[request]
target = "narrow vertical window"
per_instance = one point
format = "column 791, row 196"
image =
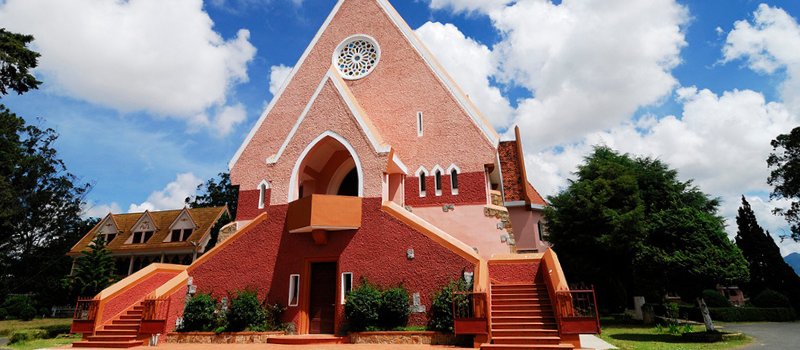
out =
column 438, row 181
column 294, row 290
column 175, row 236
column 186, row 233
column 419, row 124
column 540, row 228
column 454, row 181
column 347, row 285
column 262, row 195
column 422, row 179
column 110, row 237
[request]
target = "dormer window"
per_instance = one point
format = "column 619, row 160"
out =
column 110, row 237
column 179, row 235
column 141, row 236
column 181, row 228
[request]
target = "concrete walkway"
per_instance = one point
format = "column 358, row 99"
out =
column 287, row 347
column 768, row 335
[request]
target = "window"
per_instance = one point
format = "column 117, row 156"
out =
column 347, row 285
column 540, row 228
column 438, row 178
column 262, row 195
column 356, row 57
column 178, row 235
column 422, row 179
column 419, row 124
column 141, row 236
column 294, row 290
column 110, row 237
column 454, row 181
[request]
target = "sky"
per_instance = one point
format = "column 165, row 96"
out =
column 151, row 98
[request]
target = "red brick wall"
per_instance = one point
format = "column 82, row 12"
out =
column 514, row 272
column 513, row 184
column 120, row 302
column 247, row 207
column 266, row 256
column 471, row 190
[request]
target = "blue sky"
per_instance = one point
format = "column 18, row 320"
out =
column 149, row 149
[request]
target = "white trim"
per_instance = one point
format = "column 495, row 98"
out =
column 418, row 173
column 400, row 163
column 522, row 204
column 438, row 189
column 263, row 186
column 450, row 169
column 294, row 289
column 420, row 124
column 348, row 40
column 293, row 195
column 285, row 84
column 380, row 149
column 342, row 291
column 461, row 99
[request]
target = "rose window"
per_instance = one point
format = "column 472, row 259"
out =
column 356, row 57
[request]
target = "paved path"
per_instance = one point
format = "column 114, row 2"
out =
column 287, row 347
column 784, row 335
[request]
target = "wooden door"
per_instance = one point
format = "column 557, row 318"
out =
column 322, row 298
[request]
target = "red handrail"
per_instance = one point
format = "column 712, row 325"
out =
column 86, row 309
column 470, row 313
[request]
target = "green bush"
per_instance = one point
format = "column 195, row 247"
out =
column 394, row 310
column 752, row 314
column 56, row 330
column 198, row 315
column 273, row 317
column 441, row 315
column 362, row 307
column 20, row 307
column 715, row 299
column 245, row 312
column 26, row 335
column 771, row 299
column 3, row 314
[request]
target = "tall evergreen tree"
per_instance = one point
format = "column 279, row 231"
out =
column 94, row 270
column 768, row 270
column 784, row 162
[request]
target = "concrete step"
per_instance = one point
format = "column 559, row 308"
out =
column 112, row 338
column 523, row 312
column 524, row 332
column 108, row 344
column 522, row 306
column 134, row 322
column 519, row 301
column 117, row 332
column 526, row 347
column 524, row 325
column 527, row 340
column 125, row 327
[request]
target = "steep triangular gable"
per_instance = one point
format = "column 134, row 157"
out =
column 460, row 98
column 361, row 117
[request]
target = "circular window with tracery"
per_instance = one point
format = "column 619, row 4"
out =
column 356, row 57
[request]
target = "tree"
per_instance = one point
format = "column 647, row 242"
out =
column 784, row 162
column 216, row 193
column 768, row 270
column 16, row 62
column 94, row 270
column 630, row 227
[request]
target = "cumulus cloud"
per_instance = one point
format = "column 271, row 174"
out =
column 770, row 42
column 470, row 64
column 96, row 210
column 172, row 196
column 277, row 77
column 468, row 5
column 162, row 57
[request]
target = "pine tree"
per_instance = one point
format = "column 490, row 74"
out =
column 768, row 270
column 94, row 270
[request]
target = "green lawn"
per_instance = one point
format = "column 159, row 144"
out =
column 8, row 326
column 630, row 337
column 45, row 343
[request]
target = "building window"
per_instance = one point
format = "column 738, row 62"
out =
column 438, row 178
column 294, row 290
column 540, row 228
column 347, row 285
column 453, row 170
column 262, row 195
column 180, row 235
column 141, row 236
column 423, row 177
column 110, row 237
column 356, row 57
column 419, row 124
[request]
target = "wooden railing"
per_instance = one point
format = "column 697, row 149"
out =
column 155, row 313
column 470, row 313
column 83, row 319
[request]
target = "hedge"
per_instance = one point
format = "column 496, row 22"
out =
column 26, row 335
column 752, row 314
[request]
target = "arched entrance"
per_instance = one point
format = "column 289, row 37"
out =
column 329, row 165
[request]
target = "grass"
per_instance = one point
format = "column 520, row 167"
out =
column 8, row 326
column 45, row 343
column 638, row 337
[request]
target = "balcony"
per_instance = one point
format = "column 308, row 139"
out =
column 320, row 214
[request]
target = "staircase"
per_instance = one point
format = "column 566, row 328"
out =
column 522, row 318
column 122, row 332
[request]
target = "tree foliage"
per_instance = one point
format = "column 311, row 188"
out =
column 16, row 63
column 216, row 192
column 768, row 270
column 628, row 226
column 94, row 270
column 784, row 162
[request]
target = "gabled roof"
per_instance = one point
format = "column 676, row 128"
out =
column 459, row 96
column 516, row 187
column 204, row 218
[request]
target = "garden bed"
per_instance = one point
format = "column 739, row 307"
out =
column 711, row 337
column 219, row 338
column 404, row 337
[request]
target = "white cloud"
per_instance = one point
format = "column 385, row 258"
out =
column 277, row 77
column 161, row 57
column 470, row 64
column 468, row 5
column 96, row 210
column 172, row 196
column 224, row 119
column 771, row 42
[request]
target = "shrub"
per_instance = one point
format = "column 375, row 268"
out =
column 394, row 310
column 56, row 330
column 26, row 335
column 752, row 314
column 715, row 299
column 441, row 315
column 20, row 307
column 198, row 315
column 363, row 306
column 3, row 314
column 245, row 312
column 273, row 317
column 770, row 299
